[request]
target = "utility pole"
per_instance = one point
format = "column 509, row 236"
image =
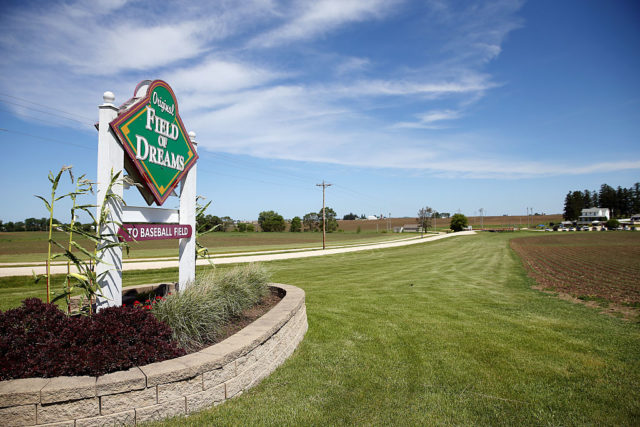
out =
column 481, row 218
column 324, row 233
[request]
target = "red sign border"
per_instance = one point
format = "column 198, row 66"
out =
column 160, row 199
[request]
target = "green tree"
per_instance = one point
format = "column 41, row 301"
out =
column 635, row 197
column 350, row 216
column 331, row 223
column 227, row 223
column 296, row 225
column 424, row 218
column 208, row 222
column 312, row 222
column 458, row 222
column 607, row 197
column 31, row 224
column 612, row 224
column 271, row 221
column 573, row 204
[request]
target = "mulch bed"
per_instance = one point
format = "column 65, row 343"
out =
column 251, row 314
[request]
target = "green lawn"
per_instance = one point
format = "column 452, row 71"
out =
column 447, row 332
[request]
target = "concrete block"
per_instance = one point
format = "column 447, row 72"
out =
column 166, row 372
column 71, row 423
column 205, row 399
column 22, row 391
column 116, row 403
column 161, row 411
column 228, row 350
column 119, row 419
column 24, row 415
column 218, row 376
column 63, row 389
column 240, row 381
column 120, row 382
column 243, row 362
column 57, row 412
column 175, row 390
column 202, row 362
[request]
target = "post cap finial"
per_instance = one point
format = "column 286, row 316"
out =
column 108, row 97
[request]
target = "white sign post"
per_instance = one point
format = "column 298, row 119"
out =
column 187, row 268
column 111, row 157
column 110, row 160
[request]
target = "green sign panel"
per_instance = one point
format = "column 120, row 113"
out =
column 156, row 140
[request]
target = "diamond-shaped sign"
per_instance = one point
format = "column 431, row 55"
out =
column 153, row 135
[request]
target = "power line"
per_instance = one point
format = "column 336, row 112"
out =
column 47, row 139
column 45, row 106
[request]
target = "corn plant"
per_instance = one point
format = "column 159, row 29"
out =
column 49, row 204
column 85, row 277
column 83, row 186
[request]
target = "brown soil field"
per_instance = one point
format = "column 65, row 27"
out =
column 602, row 267
column 474, row 221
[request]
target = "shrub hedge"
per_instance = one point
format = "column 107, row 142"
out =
column 39, row 340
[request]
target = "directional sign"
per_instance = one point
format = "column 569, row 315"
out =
column 156, row 141
column 139, row 232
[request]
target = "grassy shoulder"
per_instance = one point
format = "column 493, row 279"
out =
column 448, row 332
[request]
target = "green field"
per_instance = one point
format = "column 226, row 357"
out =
column 17, row 247
column 448, row 332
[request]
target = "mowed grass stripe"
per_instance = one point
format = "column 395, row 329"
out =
column 468, row 343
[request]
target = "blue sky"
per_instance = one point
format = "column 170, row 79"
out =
column 400, row 104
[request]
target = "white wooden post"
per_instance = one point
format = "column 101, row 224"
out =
column 110, row 158
column 187, row 268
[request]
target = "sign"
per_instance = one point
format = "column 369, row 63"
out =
column 138, row 232
column 156, row 141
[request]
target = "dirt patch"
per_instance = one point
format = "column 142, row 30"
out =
column 598, row 269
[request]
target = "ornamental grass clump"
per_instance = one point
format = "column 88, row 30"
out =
column 198, row 314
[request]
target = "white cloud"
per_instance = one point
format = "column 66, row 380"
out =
column 316, row 18
column 427, row 120
column 242, row 98
column 352, row 65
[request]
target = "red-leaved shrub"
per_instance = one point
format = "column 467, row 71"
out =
column 39, row 340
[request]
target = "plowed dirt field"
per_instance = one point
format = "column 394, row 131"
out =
column 592, row 266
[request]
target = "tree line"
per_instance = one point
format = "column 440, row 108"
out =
column 622, row 202
column 312, row 221
column 37, row 224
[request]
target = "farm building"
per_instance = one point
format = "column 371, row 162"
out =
column 591, row 215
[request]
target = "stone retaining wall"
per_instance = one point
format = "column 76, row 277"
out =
column 164, row 389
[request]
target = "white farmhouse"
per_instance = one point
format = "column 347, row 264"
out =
column 591, row 215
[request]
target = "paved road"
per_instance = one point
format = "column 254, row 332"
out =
column 235, row 258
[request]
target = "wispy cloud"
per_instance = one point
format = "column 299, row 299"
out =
column 427, row 120
column 243, row 91
column 312, row 19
